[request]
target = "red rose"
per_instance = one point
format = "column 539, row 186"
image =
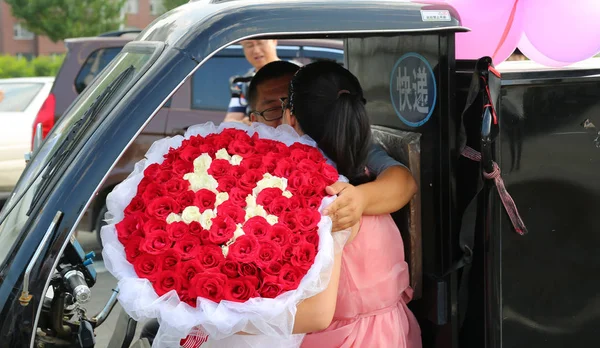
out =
column 279, row 233
column 312, row 238
column 156, row 243
column 273, row 269
column 128, row 226
column 287, row 252
column 205, row 237
column 297, row 155
column 190, row 153
column 240, row 147
column 237, row 196
column 290, row 277
column 250, row 178
column 296, row 180
column 166, row 282
column 266, row 196
column 136, row 205
column 270, row 287
column 170, row 260
column 132, row 248
column 195, row 228
column 308, row 219
column 294, row 203
column 161, row 207
column 151, row 171
column 210, row 256
column 221, row 230
column 318, row 183
column 290, row 220
column 284, row 168
column 176, row 186
column 147, row 266
column 304, row 255
column 195, row 141
column 268, row 253
column 208, row 149
column 296, row 239
column 154, row 225
column 163, row 176
column 209, row 286
column 252, row 162
column 153, row 191
column 240, row 289
column 186, row 199
column 257, row 226
column 188, row 246
column 205, row 199
column 237, row 172
column 219, row 168
column 234, row 212
column 269, row 162
column 313, row 202
column 230, row 269
column 143, row 185
column 221, row 142
column 278, row 206
column 306, row 165
column 242, row 136
column 177, row 230
column 189, row 269
column 329, row 173
column 244, row 249
column 281, row 149
column 263, row 146
column 248, row 270
column 306, row 191
column 170, row 158
column 182, row 167
column 226, row 183
column 315, row 155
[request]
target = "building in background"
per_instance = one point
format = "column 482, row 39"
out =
column 16, row 40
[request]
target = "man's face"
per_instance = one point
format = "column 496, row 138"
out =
column 268, row 100
column 260, row 52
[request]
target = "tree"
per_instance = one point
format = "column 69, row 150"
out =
column 61, row 19
column 168, row 5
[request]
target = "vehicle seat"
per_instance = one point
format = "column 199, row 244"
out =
column 405, row 147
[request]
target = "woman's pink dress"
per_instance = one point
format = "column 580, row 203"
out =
column 374, row 288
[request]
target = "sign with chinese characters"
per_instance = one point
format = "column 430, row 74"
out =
column 413, row 89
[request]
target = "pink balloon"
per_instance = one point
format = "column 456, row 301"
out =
column 492, row 33
column 532, row 53
column 563, row 30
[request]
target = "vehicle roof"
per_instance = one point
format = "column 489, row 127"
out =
column 203, row 27
column 529, row 65
column 43, row 79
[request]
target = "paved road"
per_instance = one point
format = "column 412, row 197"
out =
column 101, row 292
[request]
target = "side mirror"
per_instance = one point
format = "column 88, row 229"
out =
column 37, row 141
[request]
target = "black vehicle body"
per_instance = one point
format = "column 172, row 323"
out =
column 37, row 222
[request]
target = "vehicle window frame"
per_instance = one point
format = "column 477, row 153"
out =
column 86, row 61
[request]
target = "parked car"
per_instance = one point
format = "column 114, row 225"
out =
column 20, row 101
column 195, row 102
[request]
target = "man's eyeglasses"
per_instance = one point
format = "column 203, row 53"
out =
column 270, row 114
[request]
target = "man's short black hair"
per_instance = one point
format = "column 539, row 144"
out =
column 270, row 71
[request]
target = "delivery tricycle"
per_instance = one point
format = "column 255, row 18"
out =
column 479, row 279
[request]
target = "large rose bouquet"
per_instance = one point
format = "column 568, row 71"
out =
column 220, row 231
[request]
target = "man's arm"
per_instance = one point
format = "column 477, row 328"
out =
column 391, row 190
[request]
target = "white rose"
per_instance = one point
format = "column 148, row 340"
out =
column 173, row 218
column 250, row 202
column 202, row 163
column 221, row 197
column 272, row 219
column 269, row 181
column 238, row 232
column 222, row 154
column 236, row 160
column 206, row 218
column 191, row 213
column 225, row 250
column 255, row 211
column 201, row 181
column 287, row 194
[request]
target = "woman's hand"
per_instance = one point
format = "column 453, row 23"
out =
column 347, row 208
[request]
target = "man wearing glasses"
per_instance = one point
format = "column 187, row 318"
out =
column 258, row 53
column 392, row 189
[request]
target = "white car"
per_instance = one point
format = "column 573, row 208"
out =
column 20, row 101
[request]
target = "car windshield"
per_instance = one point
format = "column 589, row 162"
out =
column 121, row 73
column 16, row 97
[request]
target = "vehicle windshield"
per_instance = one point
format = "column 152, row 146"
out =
column 16, row 97
column 128, row 67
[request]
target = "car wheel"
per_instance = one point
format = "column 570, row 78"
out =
column 99, row 223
